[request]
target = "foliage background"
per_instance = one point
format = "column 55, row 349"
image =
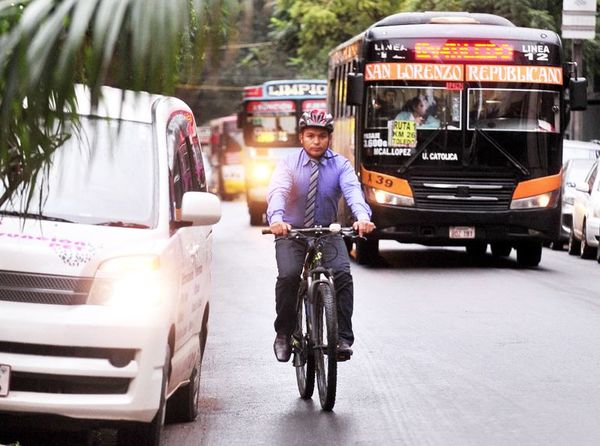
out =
column 300, row 33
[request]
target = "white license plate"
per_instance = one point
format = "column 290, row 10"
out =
column 4, row 379
column 462, row 232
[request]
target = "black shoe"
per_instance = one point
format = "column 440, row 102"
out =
column 344, row 352
column 282, row 347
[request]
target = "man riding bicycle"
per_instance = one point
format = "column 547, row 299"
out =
column 304, row 191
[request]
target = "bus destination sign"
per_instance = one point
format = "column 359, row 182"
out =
column 297, row 89
column 464, row 51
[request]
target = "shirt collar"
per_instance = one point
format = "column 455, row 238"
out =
column 327, row 155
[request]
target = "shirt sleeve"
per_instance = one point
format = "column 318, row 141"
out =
column 352, row 192
column 278, row 192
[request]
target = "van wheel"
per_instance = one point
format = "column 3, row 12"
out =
column 149, row 433
column 183, row 405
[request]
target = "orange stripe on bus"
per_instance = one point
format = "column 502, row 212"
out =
column 537, row 186
column 385, row 182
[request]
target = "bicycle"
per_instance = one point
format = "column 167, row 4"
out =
column 315, row 340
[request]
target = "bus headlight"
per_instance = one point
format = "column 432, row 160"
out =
column 382, row 197
column 260, row 172
column 546, row 200
column 127, row 282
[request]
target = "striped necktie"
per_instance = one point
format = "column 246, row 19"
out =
column 309, row 215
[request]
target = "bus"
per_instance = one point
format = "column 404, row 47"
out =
column 268, row 118
column 454, row 122
column 226, row 156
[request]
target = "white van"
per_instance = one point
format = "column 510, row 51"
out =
column 104, row 287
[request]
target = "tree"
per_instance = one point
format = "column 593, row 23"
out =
column 308, row 29
column 46, row 46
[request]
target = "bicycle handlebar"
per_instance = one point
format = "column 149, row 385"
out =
column 334, row 228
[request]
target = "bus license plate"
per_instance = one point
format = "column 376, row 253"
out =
column 4, row 379
column 462, row 232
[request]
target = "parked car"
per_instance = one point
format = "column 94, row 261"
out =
column 574, row 171
column 574, row 149
column 104, row 287
column 584, row 236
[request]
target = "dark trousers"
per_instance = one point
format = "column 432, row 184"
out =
column 290, row 259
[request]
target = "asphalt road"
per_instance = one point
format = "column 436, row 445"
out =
column 449, row 350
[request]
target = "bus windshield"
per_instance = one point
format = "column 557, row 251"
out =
column 271, row 123
column 494, row 109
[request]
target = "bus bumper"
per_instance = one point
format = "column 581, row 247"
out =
column 430, row 227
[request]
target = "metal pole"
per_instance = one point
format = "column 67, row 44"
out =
column 576, row 124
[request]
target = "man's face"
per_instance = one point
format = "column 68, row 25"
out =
column 315, row 141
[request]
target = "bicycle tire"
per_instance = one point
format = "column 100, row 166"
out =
column 325, row 351
column 305, row 362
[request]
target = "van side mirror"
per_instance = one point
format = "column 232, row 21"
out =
column 355, row 88
column 578, row 93
column 200, row 208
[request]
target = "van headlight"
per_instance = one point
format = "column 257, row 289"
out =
column 383, row 197
column 127, row 282
column 546, row 200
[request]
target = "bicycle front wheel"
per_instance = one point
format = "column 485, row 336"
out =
column 326, row 338
column 304, row 360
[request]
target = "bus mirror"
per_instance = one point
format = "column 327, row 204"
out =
column 240, row 120
column 355, row 89
column 578, row 93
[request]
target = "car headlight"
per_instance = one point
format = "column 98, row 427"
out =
column 545, row 200
column 133, row 282
column 383, row 197
column 261, row 172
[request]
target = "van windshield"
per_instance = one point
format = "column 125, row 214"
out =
column 105, row 172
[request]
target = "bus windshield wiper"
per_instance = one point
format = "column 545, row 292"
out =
column 123, row 224
column 34, row 216
column 500, row 149
column 418, row 152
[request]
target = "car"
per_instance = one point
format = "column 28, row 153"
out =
column 105, row 277
column 584, row 236
column 574, row 171
column 575, row 149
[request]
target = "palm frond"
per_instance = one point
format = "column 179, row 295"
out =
column 46, row 46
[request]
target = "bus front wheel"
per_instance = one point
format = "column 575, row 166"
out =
column 529, row 254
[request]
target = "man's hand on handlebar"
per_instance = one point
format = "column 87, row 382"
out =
column 363, row 227
column 280, row 228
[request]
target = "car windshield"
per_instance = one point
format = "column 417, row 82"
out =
column 577, row 170
column 103, row 173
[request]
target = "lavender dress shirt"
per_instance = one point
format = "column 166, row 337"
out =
column 288, row 188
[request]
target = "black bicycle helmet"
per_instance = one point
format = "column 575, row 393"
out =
column 316, row 118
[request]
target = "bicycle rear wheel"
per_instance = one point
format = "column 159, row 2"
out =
column 325, row 349
column 304, row 360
